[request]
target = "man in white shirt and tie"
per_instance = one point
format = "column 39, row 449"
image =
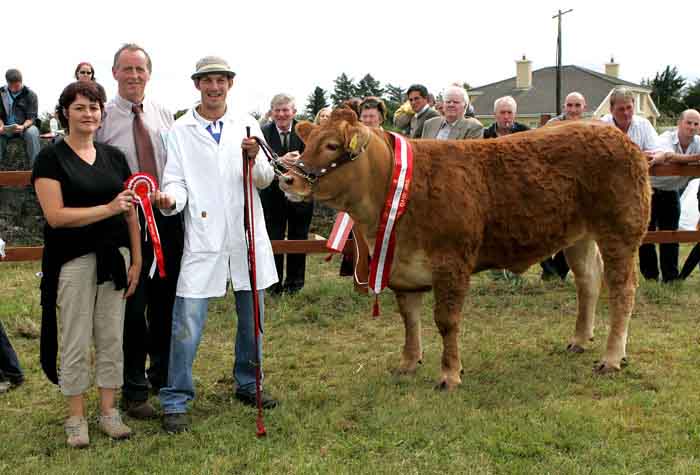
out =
column 137, row 125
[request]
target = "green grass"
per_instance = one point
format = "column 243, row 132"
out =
column 525, row 406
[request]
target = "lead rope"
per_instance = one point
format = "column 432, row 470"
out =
column 249, row 225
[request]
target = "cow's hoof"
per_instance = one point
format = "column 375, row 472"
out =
column 442, row 386
column 445, row 385
column 605, row 368
column 624, row 362
column 408, row 369
column 574, row 348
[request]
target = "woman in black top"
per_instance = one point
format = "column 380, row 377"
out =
column 91, row 224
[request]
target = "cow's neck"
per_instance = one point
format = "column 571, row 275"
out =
column 368, row 188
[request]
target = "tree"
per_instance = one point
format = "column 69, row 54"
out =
column 315, row 102
column 344, row 89
column 691, row 98
column 666, row 88
column 393, row 94
column 368, row 86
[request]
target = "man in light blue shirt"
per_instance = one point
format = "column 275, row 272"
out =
column 18, row 114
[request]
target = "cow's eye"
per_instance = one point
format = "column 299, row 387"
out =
column 331, row 146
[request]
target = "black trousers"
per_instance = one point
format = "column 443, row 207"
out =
column 295, row 218
column 9, row 363
column 149, row 312
column 555, row 266
column 665, row 215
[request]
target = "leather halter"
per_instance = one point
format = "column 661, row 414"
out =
column 312, row 174
column 301, row 169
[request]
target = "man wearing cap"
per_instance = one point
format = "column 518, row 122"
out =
column 138, row 126
column 203, row 181
column 18, row 114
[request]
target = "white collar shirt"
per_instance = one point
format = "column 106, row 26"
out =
column 640, row 132
column 669, row 142
column 445, row 129
column 117, row 130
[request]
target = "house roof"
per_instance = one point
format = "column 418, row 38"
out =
column 540, row 98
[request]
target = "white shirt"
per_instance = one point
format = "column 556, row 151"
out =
column 117, row 130
column 445, row 129
column 668, row 142
column 640, row 131
column 206, row 180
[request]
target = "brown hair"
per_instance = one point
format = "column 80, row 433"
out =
column 372, row 102
column 71, row 92
column 84, row 63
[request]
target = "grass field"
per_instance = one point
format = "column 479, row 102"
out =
column 525, row 406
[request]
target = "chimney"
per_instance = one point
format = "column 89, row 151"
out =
column 612, row 68
column 523, row 78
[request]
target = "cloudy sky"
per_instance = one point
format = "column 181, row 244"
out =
column 293, row 46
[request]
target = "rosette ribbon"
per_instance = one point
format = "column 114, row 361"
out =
column 143, row 184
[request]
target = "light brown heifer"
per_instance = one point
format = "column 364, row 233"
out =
column 505, row 204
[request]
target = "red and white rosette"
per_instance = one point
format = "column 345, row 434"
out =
column 143, row 184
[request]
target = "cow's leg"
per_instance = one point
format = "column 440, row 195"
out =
column 410, row 306
column 450, row 285
column 587, row 266
column 621, row 279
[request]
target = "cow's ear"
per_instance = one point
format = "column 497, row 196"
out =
column 303, row 129
column 344, row 114
column 356, row 138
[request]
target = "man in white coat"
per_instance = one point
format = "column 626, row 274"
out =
column 204, row 179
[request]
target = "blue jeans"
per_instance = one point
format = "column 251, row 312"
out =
column 31, row 142
column 9, row 364
column 189, row 317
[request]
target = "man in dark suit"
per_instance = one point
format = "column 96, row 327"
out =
column 418, row 98
column 281, row 214
column 504, row 110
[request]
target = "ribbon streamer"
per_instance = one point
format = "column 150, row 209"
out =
column 394, row 207
column 143, row 184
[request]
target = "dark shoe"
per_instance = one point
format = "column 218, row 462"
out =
column 291, row 290
column 275, row 290
column 176, row 423
column 138, row 409
column 249, row 399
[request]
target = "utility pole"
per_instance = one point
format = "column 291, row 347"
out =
column 558, row 17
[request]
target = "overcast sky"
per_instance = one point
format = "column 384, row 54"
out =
column 293, row 46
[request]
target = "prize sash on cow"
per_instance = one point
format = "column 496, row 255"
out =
column 143, row 184
column 394, row 207
column 340, row 232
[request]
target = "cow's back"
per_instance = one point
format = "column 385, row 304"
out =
column 521, row 196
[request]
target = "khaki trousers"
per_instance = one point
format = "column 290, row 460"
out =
column 89, row 312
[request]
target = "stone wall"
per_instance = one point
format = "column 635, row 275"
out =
column 21, row 220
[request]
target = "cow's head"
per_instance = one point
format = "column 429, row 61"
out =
column 326, row 166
